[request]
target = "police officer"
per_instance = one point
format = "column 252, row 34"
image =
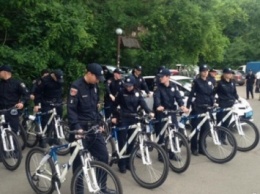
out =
column 212, row 76
column 203, row 92
column 140, row 83
column 250, row 81
column 13, row 93
column 129, row 99
column 227, row 95
column 44, row 73
column 48, row 91
column 113, row 87
column 83, row 113
column 157, row 78
column 165, row 97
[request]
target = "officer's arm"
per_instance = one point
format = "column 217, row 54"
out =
column 25, row 95
column 157, row 98
column 38, row 91
column 192, row 94
column 143, row 104
column 235, row 91
column 144, row 86
column 108, row 87
column 178, row 97
column 72, row 110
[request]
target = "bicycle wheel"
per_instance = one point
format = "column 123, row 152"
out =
column 155, row 172
column 40, row 182
column 249, row 139
column 21, row 134
column 180, row 161
column 219, row 153
column 11, row 159
column 31, row 133
column 53, row 139
column 105, row 177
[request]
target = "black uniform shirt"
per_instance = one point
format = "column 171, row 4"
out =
column 12, row 91
column 166, row 96
column 203, row 92
column 82, row 103
column 250, row 79
column 140, row 84
column 113, row 87
column 48, row 90
column 227, row 93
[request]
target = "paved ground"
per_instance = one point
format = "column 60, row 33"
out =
column 240, row 176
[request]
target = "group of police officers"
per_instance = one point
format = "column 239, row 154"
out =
column 83, row 102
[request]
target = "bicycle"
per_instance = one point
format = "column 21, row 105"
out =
column 210, row 142
column 59, row 135
column 245, row 132
column 47, row 175
column 145, row 168
column 10, row 148
column 175, row 145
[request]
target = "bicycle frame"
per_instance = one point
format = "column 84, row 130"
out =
column 91, row 182
column 205, row 116
column 3, row 134
column 137, row 132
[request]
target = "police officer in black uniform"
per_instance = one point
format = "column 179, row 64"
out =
column 203, row 92
column 212, row 76
column 83, row 113
column 47, row 92
column 157, row 78
column 129, row 99
column 44, row 73
column 113, row 87
column 140, row 83
column 250, row 81
column 165, row 97
column 13, row 93
column 227, row 95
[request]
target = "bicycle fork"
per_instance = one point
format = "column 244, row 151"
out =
column 238, row 125
column 90, row 174
column 4, row 136
column 176, row 148
column 144, row 152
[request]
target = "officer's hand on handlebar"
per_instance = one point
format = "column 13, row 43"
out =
column 78, row 136
column 184, row 109
column 160, row 108
column 112, row 97
column 151, row 115
column 149, row 95
column 36, row 108
column 19, row 105
column 114, row 120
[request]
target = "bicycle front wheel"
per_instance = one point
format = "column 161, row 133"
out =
column 102, row 174
column 39, row 178
column 222, row 152
column 179, row 161
column 250, row 137
column 149, row 171
column 11, row 157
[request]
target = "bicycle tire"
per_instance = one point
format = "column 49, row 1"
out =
column 207, row 144
column 34, row 180
column 52, row 137
column 139, row 173
column 178, row 162
column 248, row 128
column 31, row 135
column 14, row 157
column 100, row 167
column 22, row 137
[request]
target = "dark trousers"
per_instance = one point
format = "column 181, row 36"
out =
column 249, row 89
column 196, row 139
column 123, row 137
column 13, row 121
column 225, row 124
column 96, row 145
column 108, row 108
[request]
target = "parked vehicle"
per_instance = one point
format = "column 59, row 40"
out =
column 174, row 71
column 244, row 108
column 242, row 68
column 254, row 66
column 239, row 77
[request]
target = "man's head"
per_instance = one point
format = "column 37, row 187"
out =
column 5, row 72
column 117, row 74
column 250, row 71
column 164, row 75
column 44, row 72
column 129, row 83
column 213, row 72
column 94, row 73
column 138, row 70
column 57, row 75
column 204, row 70
column 227, row 73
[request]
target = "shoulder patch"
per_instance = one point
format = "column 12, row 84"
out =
column 73, row 91
column 109, row 81
column 23, row 85
column 137, row 94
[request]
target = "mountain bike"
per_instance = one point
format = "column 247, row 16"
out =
column 245, row 132
column 145, row 168
column 10, row 148
column 210, row 142
column 58, row 133
column 45, row 174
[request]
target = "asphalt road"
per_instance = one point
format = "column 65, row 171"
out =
column 239, row 176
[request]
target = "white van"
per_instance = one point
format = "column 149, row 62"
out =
column 242, row 68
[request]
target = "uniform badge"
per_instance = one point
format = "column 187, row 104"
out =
column 172, row 89
column 95, row 89
column 109, row 81
column 137, row 94
column 120, row 83
column 140, row 79
column 231, row 84
column 209, row 83
column 23, row 85
column 73, row 91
